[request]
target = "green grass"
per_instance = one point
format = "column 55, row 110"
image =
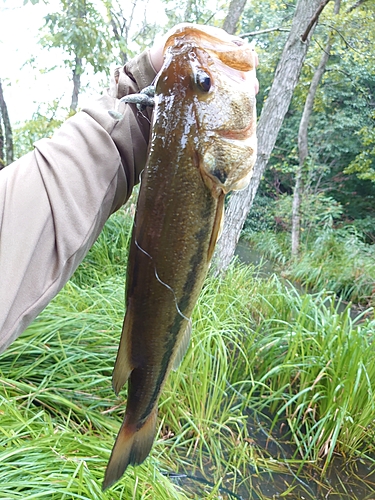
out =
column 258, row 348
column 318, row 371
column 336, row 260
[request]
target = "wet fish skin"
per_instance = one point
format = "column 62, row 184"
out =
column 202, row 146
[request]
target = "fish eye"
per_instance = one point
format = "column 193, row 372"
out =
column 203, row 80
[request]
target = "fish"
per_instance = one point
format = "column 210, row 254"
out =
column 202, row 146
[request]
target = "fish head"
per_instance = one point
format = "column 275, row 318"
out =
column 213, row 72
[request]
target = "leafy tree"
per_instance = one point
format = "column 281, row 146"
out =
column 120, row 25
column 303, row 150
column 192, row 11
column 131, row 28
column 364, row 163
column 82, row 33
column 342, row 115
column 273, row 113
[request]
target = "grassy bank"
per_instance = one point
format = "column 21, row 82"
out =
column 338, row 260
column 261, row 355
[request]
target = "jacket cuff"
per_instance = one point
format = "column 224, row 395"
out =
column 137, row 74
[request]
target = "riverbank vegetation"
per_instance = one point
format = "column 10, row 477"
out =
column 333, row 255
column 274, row 384
column 318, row 190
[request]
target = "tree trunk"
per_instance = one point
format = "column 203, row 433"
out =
column 296, row 211
column 303, row 150
column 8, row 135
column 121, row 25
column 76, row 84
column 2, row 160
column 235, row 10
column 119, row 38
column 272, row 116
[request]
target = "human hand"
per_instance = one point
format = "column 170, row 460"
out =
column 157, row 50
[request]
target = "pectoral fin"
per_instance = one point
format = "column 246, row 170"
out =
column 217, row 227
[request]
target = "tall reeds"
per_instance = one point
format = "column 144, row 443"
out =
column 258, row 348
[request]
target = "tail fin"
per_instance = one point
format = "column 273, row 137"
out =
column 132, row 447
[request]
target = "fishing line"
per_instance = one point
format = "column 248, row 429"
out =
column 136, row 242
column 162, row 282
column 144, row 116
column 155, row 271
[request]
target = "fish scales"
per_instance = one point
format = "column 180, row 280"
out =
column 202, row 146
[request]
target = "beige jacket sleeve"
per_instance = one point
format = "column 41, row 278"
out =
column 55, row 200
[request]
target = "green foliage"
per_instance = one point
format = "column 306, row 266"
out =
column 337, row 260
column 270, row 245
column 42, row 124
column 364, row 163
column 317, row 210
column 261, row 216
column 257, row 346
column 194, row 11
column 80, row 30
column 259, row 16
column 58, row 415
column 316, row 365
column 343, row 105
column 366, row 226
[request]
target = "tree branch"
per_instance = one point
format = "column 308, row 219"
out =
column 354, row 6
column 234, row 13
column 2, row 163
column 349, row 45
column 314, row 19
column 262, row 32
column 8, row 135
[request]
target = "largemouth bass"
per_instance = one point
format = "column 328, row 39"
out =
column 202, row 146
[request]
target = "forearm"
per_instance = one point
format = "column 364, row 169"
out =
column 55, row 200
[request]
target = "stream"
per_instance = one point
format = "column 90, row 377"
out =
column 341, row 482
